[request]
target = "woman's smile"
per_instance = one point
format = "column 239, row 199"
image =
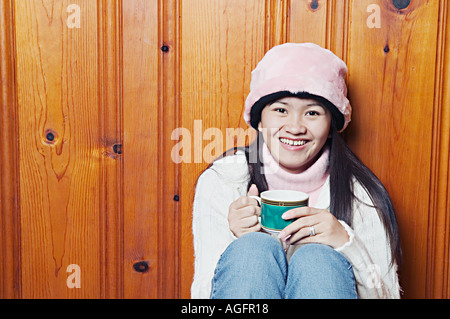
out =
column 293, row 144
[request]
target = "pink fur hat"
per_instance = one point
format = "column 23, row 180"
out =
column 299, row 69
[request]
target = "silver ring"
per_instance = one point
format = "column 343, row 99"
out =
column 312, row 231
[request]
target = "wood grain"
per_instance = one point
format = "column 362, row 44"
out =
column 276, row 23
column 109, row 15
column 307, row 24
column 438, row 270
column 57, row 89
column 169, row 174
column 10, row 274
column 392, row 123
column 141, row 58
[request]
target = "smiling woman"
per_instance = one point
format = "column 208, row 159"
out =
column 298, row 103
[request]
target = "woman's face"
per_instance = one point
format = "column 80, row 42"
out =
column 295, row 130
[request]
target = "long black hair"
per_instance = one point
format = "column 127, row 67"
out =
column 344, row 168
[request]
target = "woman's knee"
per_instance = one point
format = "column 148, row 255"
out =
column 253, row 266
column 319, row 271
column 318, row 254
column 255, row 244
column 254, row 251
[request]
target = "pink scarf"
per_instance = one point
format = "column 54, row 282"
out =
column 309, row 181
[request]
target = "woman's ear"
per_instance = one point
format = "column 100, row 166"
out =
column 259, row 127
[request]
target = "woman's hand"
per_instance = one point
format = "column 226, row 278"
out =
column 328, row 229
column 243, row 214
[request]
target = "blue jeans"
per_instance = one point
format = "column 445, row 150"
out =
column 255, row 267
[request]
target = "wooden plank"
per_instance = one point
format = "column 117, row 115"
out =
column 338, row 12
column 276, row 23
column 322, row 22
column 438, row 267
column 392, row 124
column 58, row 115
column 141, row 144
column 308, row 21
column 110, row 212
column 169, row 193
column 10, row 280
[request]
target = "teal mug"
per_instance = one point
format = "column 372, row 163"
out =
column 275, row 203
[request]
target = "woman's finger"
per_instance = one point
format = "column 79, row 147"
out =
column 301, row 212
column 299, row 224
column 249, row 221
column 252, row 229
column 243, row 201
column 249, row 211
column 306, row 232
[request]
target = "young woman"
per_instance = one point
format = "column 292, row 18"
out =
column 345, row 244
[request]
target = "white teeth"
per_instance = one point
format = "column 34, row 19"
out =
column 292, row 143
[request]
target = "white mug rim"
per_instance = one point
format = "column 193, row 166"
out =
column 284, row 196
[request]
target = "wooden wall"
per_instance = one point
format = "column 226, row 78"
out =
column 90, row 103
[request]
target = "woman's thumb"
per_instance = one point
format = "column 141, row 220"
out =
column 253, row 191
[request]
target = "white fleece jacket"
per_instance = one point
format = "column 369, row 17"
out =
column 226, row 180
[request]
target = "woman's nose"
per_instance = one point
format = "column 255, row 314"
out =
column 295, row 126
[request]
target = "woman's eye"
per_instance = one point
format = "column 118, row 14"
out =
column 312, row 113
column 280, row 110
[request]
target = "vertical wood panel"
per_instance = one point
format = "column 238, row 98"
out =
column 10, row 280
column 141, row 50
column 326, row 25
column 276, row 23
column 308, row 23
column 438, row 271
column 151, row 97
column 59, row 147
column 338, row 14
column 394, row 111
column 169, row 193
column 109, row 15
